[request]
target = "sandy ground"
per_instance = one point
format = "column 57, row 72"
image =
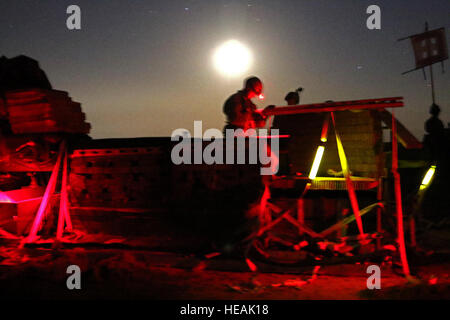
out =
column 40, row 273
column 169, row 265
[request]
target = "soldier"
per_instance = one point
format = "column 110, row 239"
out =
column 241, row 112
column 293, row 97
column 435, row 140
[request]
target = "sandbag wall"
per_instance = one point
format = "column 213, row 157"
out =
column 215, row 200
column 119, row 178
column 139, row 173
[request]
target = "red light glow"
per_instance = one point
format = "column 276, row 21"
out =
column 5, row 199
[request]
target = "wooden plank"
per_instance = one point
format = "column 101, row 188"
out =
column 372, row 104
column 300, row 110
column 349, row 219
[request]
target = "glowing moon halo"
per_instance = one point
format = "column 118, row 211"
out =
column 232, row 58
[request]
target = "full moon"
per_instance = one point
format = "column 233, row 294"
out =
column 232, row 58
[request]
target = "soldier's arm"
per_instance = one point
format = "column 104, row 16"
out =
column 232, row 106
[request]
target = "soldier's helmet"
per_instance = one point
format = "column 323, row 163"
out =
column 434, row 109
column 254, row 84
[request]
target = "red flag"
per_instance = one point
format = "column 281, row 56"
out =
column 429, row 47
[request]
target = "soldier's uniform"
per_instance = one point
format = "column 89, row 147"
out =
column 242, row 113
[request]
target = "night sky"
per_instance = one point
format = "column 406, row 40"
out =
column 143, row 68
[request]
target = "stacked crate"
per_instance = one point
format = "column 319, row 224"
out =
column 119, row 178
column 44, row 111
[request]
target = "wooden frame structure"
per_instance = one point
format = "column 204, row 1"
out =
column 64, row 220
column 362, row 183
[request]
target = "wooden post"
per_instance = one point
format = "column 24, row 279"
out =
column 398, row 200
column 64, row 216
column 342, row 232
column 47, row 196
column 264, row 216
column 348, row 180
column 300, row 214
column 412, row 231
column 379, row 220
column 61, row 218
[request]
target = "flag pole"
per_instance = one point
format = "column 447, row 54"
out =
column 432, row 83
column 431, row 70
